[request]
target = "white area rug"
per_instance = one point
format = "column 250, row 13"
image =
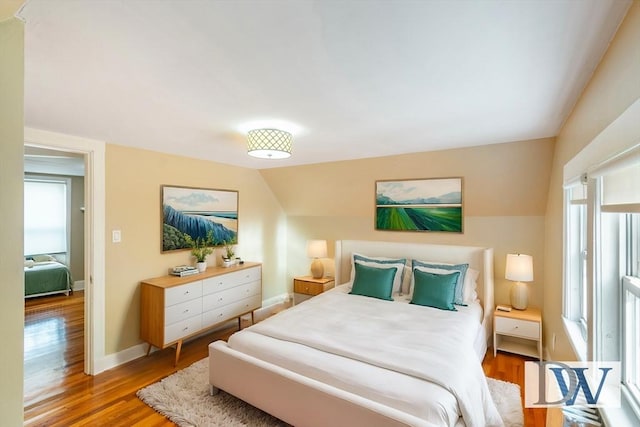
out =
column 184, row 398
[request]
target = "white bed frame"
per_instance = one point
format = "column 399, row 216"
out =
column 302, row 401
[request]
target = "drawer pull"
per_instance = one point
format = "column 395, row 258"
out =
column 220, row 315
column 186, row 311
column 219, row 299
column 186, row 328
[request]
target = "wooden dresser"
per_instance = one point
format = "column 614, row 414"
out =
column 173, row 309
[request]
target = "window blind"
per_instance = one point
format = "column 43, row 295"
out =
column 45, row 216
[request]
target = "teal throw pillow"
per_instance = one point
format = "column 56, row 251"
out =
column 373, row 282
column 462, row 268
column 435, row 290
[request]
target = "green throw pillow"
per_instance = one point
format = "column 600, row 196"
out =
column 373, row 282
column 435, row 290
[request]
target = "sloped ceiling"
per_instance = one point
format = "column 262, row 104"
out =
column 352, row 79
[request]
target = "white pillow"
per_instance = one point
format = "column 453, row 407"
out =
column 469, row 292
column 397, row 280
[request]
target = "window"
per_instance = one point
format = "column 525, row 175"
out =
column 631, row 330
column 602, row 272
column 575, row 298
column 46, row 204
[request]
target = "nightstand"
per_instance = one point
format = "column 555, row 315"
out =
column 518, row 331
column 306, row 287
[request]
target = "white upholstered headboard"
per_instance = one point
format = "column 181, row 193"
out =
column 478, row 258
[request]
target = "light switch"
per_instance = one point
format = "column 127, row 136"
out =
column 116, row 236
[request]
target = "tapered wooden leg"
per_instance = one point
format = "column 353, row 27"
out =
column 148, row 349
column 178, row 348
column 213, row 390
column 252, row 319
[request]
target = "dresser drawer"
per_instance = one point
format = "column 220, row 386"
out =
column 182, row 329
column 228, row 296
column 182, row 293
column 182, row 311
column 517, row 327
column 235, row 309
column 226, row 281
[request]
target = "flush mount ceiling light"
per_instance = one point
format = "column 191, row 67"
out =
column 269, row 143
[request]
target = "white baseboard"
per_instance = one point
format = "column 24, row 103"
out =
column 78, row 285
column 276, row 300
column 113, row 360
column 116, row 359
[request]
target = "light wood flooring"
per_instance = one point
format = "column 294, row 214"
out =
column 58, row 393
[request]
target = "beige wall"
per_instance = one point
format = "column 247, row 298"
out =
column 11, row 257
column 504, row 191
column 133, row 181
column 614, row 86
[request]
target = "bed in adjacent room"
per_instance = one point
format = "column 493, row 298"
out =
column 380, row 349
column 46, row 277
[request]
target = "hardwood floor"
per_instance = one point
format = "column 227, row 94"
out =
column 510, row 367
column 58, row 393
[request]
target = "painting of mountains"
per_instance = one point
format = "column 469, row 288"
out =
column 196, row 212
column 419, row 205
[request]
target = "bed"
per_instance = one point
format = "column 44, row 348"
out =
column 46, row 278
column 345, row 359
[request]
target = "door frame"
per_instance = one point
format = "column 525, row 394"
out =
column 94, row 231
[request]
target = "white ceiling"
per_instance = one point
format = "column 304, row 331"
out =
column 356, row 78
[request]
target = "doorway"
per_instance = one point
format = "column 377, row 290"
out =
column 93, row 153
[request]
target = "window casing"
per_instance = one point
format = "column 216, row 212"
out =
column 602, row 289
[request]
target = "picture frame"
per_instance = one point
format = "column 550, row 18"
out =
column 196, row 212
column 424, row 205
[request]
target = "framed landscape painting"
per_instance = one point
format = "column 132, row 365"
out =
column 197, row 212
column 433, row 204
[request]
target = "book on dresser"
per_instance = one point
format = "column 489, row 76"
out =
column 183, row 270
column 175, row 308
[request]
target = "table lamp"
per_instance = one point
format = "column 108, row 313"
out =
column 317, row 249
column 519, row 269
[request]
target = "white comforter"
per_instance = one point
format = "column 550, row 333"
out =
column 422, row 342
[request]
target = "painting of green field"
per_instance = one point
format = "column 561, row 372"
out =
column 419, row 218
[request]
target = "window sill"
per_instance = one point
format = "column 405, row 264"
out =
column 627, row 415
column 574, row 333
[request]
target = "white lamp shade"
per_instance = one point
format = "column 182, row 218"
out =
column 317, row 248
column 519, row 268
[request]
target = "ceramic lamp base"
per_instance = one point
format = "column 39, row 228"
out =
column 317, row 269
column 519, row 296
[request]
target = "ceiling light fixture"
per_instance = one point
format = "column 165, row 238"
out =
column 269, row 143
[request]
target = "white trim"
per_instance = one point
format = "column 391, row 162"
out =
column 78, row 285
column 574, row 333
column 113, row 360
column 276, row 300
column 94, row 154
